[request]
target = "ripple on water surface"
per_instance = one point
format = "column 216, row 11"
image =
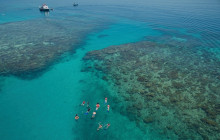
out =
column 167, row 88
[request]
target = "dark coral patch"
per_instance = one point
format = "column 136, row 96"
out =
column 170, row 82
column 28, row 48
column 148, row 120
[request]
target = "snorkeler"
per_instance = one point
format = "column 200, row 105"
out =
column 108, row 108
column 83, row 103
column 76, row 117
column 106, row 100
column 97, row 106
column 87, row 112
column 88, row 104
column 107, row 126
column 100, row 126
column 93, row 115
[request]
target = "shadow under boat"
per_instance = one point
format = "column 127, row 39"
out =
column 75, row 4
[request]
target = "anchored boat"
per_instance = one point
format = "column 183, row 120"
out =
column 44, row 7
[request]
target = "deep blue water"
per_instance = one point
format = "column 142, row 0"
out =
column 44, row 107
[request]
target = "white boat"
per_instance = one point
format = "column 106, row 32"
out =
column 44, row 7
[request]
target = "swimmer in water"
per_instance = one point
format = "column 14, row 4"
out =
column 108, row 108
column 76, row 117
column 87, row 112
column 93, row 115
column 97, row 106
column 88, row 104
column 83, row 103
column 100, row 126
column 106, row 100
column 107, row 126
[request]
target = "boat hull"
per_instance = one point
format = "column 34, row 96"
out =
column 44, row 9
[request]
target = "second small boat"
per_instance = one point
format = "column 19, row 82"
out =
column 75, row 4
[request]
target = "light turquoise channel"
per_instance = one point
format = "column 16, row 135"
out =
column 45, row 107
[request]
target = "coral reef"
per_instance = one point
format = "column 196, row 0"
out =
column 173, row 86
column 28, row 47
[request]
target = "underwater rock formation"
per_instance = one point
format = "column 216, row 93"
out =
column 172, row 86
column 28, row 47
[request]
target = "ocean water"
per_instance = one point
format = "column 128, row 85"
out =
column 44, row 106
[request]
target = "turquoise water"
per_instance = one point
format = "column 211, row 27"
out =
column 44, row 107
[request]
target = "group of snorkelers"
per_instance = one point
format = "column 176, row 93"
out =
column 94, row 113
